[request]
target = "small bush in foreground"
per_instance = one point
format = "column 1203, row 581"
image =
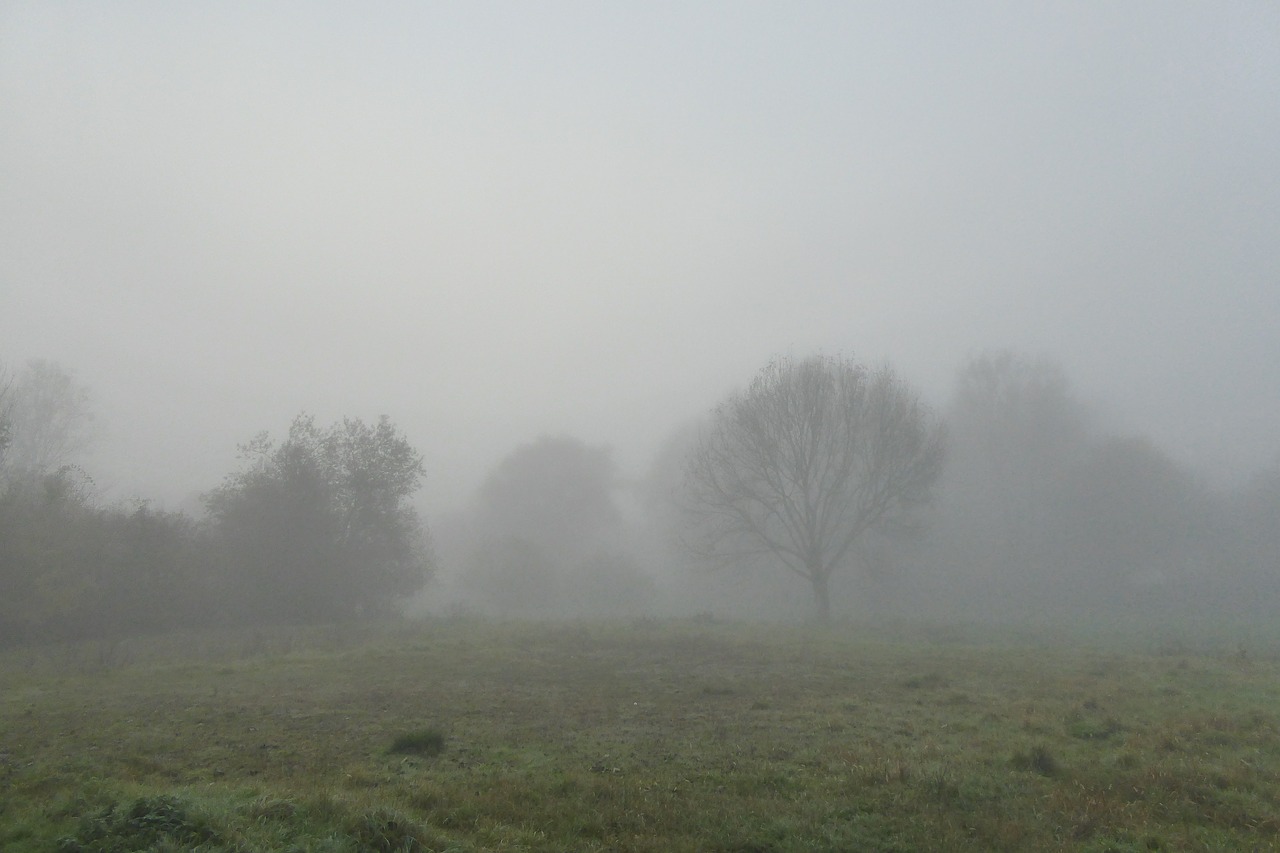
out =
column 148, row 823
column 1086, row 727
column 1038, row 758
column 385, row 831
column 420, row 742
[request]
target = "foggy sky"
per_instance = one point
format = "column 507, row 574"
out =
column 496, row 220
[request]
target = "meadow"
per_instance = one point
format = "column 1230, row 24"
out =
column 696, row 735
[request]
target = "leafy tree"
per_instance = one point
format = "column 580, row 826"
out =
column 44, row 553
column 514, row 576
column 1255, row 552
column 812, row 457
column 1042, row 510
column 1017, row 432
column 547, row 535
column 6, row 414
column 612, row 584
column 1135, row 518
column 319, row 527
column 154, row 572
column 45, row 421
column 556, row 492
column 1017, row 406
column 48, row 550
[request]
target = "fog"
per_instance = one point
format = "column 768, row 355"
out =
column 496, row 221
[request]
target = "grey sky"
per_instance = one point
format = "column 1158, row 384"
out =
column 492, row 221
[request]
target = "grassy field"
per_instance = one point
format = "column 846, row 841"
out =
column 465, row 736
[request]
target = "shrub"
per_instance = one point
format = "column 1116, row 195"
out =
column 419, row 742
column 1088, row 727
column 385, row 831
column 1038, row 758
column 149, row 822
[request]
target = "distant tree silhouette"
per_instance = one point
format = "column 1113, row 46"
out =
column 806, row 462
column 319, row 527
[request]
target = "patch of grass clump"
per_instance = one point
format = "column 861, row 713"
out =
column 418, row 742
column 1037, row 759
column 1090, row 727
column 385, row 831
column 161, row 822
column 928, row 681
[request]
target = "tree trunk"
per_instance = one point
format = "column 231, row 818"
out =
column 821, row 596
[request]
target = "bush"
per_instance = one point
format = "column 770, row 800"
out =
column 148, row 823
column 420, row 742
column 384, row 831
column 1038, row 758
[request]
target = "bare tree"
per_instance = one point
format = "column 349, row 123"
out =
column 808, row 460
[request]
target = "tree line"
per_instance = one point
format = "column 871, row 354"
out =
column 822, row 478
column 830, row 488
column 316, row 527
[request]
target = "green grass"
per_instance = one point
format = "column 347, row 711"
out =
column 470, row 736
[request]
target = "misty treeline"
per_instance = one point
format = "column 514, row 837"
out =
column 826, row 487
column 823, row 486
column 316, row 527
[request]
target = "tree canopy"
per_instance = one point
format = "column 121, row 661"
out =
column 548, row 536
column 319, row 527
column 45, row 421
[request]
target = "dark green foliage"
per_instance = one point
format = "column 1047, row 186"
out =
column 75, row 571
column 149, row 823
column 548, row 537
column 1037, row 759
column 319, row 527
column 384, row 831
column 418, row 742
column 554, row 492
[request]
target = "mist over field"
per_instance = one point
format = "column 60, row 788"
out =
column 639, row 426
column 546, row 242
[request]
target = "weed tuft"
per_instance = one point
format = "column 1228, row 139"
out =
column 385, row 831
column 150, row 822
column 418, row 742
column 1038, row 759
column 1090, row 727
column 940, row 785
column 271, row 809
